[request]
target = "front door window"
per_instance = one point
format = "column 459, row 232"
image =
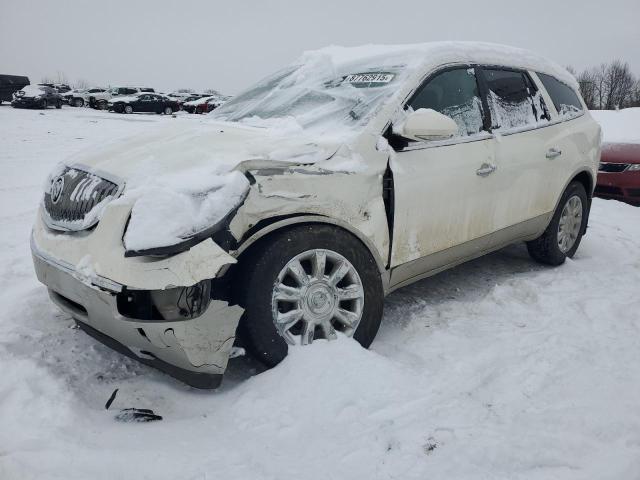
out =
column 453, row 93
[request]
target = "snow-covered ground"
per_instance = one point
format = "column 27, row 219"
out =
column 498, row 369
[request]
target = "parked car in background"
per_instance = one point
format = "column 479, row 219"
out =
column 115, row 92
column 404, row 161
column 87, row 96
column 37, row 96
column 58, row 87
column 180, row 95
column 67, row 96
column 9, row 84
column 144, row 102
column 202, row 105
column 62, row 87
column 619, row 173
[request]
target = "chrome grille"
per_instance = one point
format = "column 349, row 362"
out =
column 613, row 167
column 71, row 197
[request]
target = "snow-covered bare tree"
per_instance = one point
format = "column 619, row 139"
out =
column 619, row 83
column 59, row 77
column 81, row 83
column 587, row 81
column 608, row 86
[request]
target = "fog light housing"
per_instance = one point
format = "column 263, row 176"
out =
column 172, row 304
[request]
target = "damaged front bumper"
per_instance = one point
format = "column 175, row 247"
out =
column 195, row 350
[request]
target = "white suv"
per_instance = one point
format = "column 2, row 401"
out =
column 297, row 206
column 79, row 98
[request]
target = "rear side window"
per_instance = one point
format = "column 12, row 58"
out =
column 453, row 93
column 562, row 95
column 510, row 99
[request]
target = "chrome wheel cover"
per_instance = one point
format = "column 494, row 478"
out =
column 316, row 293
column 570, row 223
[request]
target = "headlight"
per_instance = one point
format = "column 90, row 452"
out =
column 634, row 167
column 166, row 221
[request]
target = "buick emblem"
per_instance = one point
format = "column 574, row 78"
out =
column 56, row 189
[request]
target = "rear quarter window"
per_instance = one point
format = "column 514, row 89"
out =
column 564, row 98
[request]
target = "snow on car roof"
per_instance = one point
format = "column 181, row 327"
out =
column 337, row 90
column 433, row 53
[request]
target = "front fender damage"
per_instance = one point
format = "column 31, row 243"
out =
column 345, row 193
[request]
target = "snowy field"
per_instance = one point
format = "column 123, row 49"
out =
column 498, row 369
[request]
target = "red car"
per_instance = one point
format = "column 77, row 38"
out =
column 619, row 175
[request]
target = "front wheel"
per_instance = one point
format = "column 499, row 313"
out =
column 306, row 283
column 128, row 109
column 43, row 104
column 59, row 104
column 562, row 237
column 78, row 102
column 168, row 110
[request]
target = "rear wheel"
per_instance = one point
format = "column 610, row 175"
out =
column 78, row 102
column 43, row 103
column 128, row 109
column 59, row 104
column 562, row 237
column 168, row 110
column 306, row 283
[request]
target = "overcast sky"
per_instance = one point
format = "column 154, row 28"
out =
column 228, row 45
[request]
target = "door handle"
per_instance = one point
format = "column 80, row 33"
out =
column 553, row 153
column 486, row 169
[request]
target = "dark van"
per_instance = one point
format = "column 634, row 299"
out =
column 10, row 84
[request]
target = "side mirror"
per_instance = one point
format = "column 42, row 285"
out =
column 427, row 124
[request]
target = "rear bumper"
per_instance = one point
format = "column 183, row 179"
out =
column 195, row 351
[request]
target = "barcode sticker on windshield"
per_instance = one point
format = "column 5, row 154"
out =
column 369, row 78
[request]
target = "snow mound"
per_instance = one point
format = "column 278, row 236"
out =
column 619, row 126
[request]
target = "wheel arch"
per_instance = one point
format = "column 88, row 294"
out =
column 586, row 179
column 270, row 226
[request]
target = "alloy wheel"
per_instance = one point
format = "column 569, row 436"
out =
column 570, row 223
column 317, row 293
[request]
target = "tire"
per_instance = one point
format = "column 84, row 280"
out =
column 547, row 247
column 44, row 104
column 59, row 104
column 127, row 109
column 78, row 102
column 168, row 110
column 263, row 267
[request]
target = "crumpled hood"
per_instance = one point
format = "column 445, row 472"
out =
column 206, row 146
column 183, row 179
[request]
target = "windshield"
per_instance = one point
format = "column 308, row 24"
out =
column 315, row 96
column 33, row 90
